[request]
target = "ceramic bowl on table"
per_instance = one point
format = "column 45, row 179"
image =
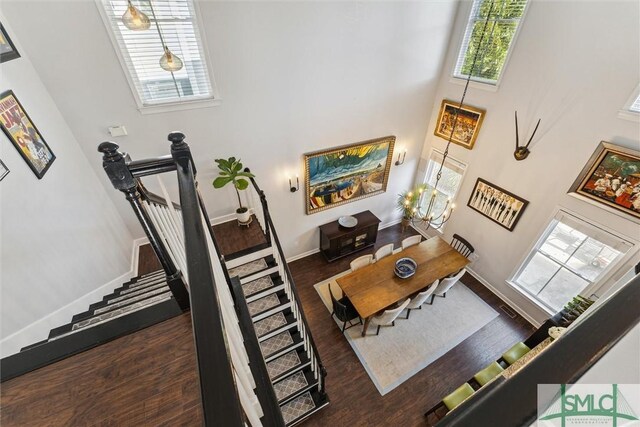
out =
column 405, row 268
column 348, row 221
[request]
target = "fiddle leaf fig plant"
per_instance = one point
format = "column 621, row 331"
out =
column 231, row 173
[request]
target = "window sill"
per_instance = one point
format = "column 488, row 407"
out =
column 529, row 297
column 179, row 106
column 629, row 115
column 474, row 84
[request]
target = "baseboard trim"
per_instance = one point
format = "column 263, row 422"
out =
column 500, row 295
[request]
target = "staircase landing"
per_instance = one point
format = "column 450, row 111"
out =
column 236, row 240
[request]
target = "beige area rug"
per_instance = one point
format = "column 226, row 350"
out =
column 401, row 351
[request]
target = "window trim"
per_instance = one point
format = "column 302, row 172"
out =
column 464, row 165
column 477, row 83
column 626, row 113
column 596, row 287
column 165, row 107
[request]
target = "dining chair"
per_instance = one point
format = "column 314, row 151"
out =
column 343, row 310
column 518, row 350
column 388, row 317
column 384, row 251
column 360, row 262
column 412, row 240
column 447, row 283
column 421, row 298
column 462, row 245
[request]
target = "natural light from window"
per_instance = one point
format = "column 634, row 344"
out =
column 140, row 52
column 449, row 184
column 635, row 105
column 570, row 257
column 498, row 40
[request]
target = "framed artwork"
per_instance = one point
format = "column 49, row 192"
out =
column 7, row 49
column 497, row 204
column 348, row 173
column 4, row 170
column 467, row 125
column 611, row 178
column 24, row 135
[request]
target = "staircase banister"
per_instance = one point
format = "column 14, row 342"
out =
column 154, row 198
column 264, row 388
column 145, row 167
column 220, row 401
column 514, row 401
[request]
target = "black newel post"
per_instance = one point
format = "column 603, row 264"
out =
column 120, row 176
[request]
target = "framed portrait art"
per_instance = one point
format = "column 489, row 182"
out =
column 24, row 135
column 467, row 124
column 7, row 49
column 611, row 178
column 497, row 204
column 344, row 174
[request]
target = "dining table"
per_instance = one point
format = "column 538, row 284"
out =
column 376, row 287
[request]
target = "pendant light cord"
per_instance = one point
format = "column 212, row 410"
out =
column 164, row 46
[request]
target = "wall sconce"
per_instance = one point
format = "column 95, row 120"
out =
column 297, row 187
column 403, row 154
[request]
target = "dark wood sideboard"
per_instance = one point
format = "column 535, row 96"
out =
column 337, row 241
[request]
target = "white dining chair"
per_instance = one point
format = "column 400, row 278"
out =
column 388, row 317
column 360, row 262
column 421, row 298
column 410, row 241
column 384, row 251
column 447, row 283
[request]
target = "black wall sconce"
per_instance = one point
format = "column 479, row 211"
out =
column 297, row 187
column 403, row 154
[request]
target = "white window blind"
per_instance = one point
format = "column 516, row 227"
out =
column 449, row 184
column 499, row 37
column 141, row 51
column 635, row 105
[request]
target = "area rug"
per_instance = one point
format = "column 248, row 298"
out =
column 401, row 351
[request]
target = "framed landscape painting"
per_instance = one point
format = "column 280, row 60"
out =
column 497, row 204
column 348, row 173
column 467, row 124
column 24, row 135
column 611, row 178
column 7, row 50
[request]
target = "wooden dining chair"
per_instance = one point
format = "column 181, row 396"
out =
column 421, row 298
column 462, row 245
column 384, row 251
column 412, row 240
column 360, row 262
column 447, row 283
column 388, row 317
column 344, row 310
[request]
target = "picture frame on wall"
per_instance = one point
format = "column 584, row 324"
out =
column 4, row 170
column 497, row 204
column 8, row 50
column 467, row 124
column 24, row 135
column 347, row 173
column 611, row 178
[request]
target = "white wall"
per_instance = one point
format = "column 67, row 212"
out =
column 295, row 77
column 574, row 66
column 61, row 236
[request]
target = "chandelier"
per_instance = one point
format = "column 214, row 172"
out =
column 428, row 218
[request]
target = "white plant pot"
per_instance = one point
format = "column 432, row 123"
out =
column 244, row 216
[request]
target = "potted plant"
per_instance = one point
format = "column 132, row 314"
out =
column 407, row 203
column 231, row 172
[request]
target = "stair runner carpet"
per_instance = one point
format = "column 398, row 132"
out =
column 257, row 285
column 275, row 344
column 269, row 324
column 290, row 385
column 248, row 268
column 297, row 407
column 263, row 304
column 283, row 363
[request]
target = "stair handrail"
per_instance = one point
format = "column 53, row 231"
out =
column 514, row 401
column 220, row 401
column 274, row 238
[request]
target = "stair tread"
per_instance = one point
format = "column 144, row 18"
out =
column 255, row 286
column 248, row 268
column 283, row 364
column 263, row 304
column 270, row 324
column 131, row 300
column 277, row 343
column 297, row 407
column 290, row 385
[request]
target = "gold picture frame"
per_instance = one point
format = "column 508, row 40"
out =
column 467, row 125
column 611, row 178
column 347, row 173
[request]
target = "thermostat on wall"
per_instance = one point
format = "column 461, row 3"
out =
column 117, row 131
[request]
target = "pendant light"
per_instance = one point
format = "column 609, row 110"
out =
column 169, row 61
column 134, row 19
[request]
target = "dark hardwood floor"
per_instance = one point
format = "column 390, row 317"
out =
column 147, row 260
column 150, row 378
column 243, row 237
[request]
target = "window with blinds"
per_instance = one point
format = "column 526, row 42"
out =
column 501, row 30
column 140, row 51
column 449, row 184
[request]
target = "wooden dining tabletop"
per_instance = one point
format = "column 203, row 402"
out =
column 375, row 287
